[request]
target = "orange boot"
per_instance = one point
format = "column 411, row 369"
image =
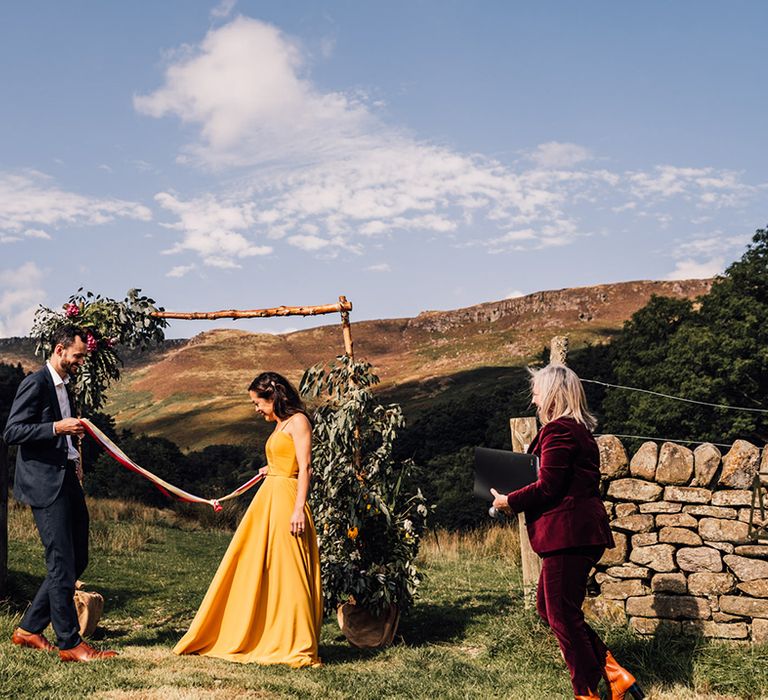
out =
column 591, row 695
column 620, row 681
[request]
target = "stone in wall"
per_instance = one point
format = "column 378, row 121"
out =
column 643, row 463
column 743, row 605
column 654, row 625
column 645, row 539
column 669, row 583
column 719, row 630
column 699, row 559
column 712, row 511
column 757, row 588
column 622, row 510
column 759, row 631
column 604, row 610
column 634, row 490
column 720, row 530
column 663, row 507
column 703, row 583
column 613, row 457
column 732, row 498
column 725, row 547
column 634, row 523
column 746, row 569
column 675, row 464
column 628, row 571
column 739, row 465
column 676, row 520
column 706, row 460
column 621, row 590
column 687, row 494
column 679, row 535
column 616, row 554
column 753, row 550
column 673, row 607
column 659, row 557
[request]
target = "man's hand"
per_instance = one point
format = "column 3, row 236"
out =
column 500, row 501
column 69, row 426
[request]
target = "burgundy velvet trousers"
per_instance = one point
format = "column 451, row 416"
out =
column 560, row 595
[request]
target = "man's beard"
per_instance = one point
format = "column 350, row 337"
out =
column 70, row 368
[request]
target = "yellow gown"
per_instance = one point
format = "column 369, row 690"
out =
column 265, row 602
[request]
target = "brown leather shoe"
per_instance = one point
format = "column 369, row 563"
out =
column 23, row 638
column 84, row 652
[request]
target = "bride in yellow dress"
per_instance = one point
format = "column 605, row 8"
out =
column 265, row 602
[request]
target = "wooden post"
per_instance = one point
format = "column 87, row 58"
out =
column 3, row 517
column 523, row 431
column 346, row 329
column 558, row 350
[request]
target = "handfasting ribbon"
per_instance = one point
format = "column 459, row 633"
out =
column 168, row 489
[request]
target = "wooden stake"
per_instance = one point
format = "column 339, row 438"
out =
column 346, row 329
column 523, row 431
column 558, row 350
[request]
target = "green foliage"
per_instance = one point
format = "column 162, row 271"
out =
column 109, row 325
column 369, row 525
column 714, row 350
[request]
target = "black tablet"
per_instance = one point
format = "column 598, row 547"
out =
column 502, row 470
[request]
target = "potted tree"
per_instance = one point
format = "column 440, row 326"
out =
column 368, row 523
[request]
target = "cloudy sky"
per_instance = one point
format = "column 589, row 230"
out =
column 410, row 154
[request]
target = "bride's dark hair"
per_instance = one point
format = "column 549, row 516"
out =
column 276, row 388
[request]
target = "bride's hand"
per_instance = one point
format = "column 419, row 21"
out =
column 297, row 523
column 263, row 471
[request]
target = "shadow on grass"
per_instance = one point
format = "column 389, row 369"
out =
column 431, row 623
column 665, row 659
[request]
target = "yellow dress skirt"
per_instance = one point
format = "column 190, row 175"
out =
column 265, row 603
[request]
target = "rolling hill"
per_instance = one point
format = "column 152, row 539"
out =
column 194, row 391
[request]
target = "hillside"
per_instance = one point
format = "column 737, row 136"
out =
column 193, row 392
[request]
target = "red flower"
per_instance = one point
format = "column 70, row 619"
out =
column 71, row 310
column 92, row 343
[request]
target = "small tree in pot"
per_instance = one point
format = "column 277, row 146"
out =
column 369, row 527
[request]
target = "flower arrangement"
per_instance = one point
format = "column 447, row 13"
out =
column 368, row 525
column 108, row 325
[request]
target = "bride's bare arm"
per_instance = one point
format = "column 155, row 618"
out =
column 301, row 433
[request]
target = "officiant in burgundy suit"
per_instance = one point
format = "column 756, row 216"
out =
column 48, row 476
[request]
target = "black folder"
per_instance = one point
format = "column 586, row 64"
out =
column 502, row 470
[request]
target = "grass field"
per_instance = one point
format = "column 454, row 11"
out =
column 468, row 636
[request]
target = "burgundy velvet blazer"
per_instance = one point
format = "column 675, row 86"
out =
column 563, row 507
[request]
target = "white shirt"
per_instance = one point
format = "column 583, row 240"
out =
column 66, row 411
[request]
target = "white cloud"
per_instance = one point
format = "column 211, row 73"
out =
column 20, row 294
column 223, row 9
column 29, row 200
column 706, row 187
column 37, row 233
column 693, row 269
column 554, row 155
column 514, row 294
column 212, row 229
column 320, row 170
column 380, row 267
column 179, row 270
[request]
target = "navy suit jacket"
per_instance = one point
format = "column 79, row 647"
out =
column 563, row 508
column 41, row 460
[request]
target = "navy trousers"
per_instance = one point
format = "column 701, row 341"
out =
column 560, row 595
column 63, row 528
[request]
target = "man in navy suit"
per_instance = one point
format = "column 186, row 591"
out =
column 48, row 474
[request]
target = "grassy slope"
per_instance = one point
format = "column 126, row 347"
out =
column 467, row 637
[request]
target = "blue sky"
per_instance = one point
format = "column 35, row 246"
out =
column 411, row 155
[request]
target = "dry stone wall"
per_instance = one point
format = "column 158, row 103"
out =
column 683, row 560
